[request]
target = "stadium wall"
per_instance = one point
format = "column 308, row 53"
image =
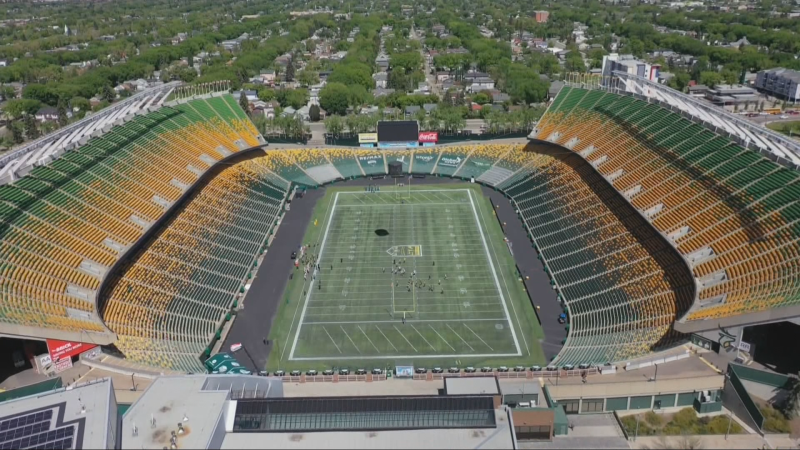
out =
column 559, row 148
column 118, row 268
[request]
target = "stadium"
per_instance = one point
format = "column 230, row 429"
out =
column 161, row 232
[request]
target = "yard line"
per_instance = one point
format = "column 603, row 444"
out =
column 494, row 273
column 291, row 325
column 334, row 342
column 404, row 337
column 442, row 337
column 513, row 307
column 351, row 339
column 423, row 338
column 308, row 295
column 387, row 339
column 459, row 336
column 370, row 340
column 345, row 322
column 476, row 335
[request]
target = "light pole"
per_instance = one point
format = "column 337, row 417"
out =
column 730, row 422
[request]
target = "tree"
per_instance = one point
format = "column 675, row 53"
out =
column 710, row 79
column 108, row 94
column 308, row 77
column 31, row 127
column 313, row 113
column 17, row 136
column 244, row 103
column 290, row 72
column 19, row 107
column 334, row 125
column 266, row 94
column 482, row 98
column 791, row 406
column 62, row 113
column 333, row 98
column 7, row 92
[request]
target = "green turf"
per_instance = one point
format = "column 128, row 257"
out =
column 353, row 318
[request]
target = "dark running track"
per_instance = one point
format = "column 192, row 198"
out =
column 538, row 285
column 252, row 324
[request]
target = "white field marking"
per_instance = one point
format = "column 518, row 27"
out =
column 377, row 205
column 351, row 339
column 423, row 338
column 331, row 337
column 406, row 339
column 459, row 304
column 441, row 337
column 384, row 336
column 370, row 340
column 494, row 273
column 427, row 313
column 459, row 336
column 413, row 190
column 299, row 297
column 305, row 304
column 481, row 339
column 469, row 355
column 516, row 316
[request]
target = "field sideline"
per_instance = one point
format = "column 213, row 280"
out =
column 420, row 277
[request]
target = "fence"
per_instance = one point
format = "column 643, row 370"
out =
column 761, row 376
column 31, row 389
column 748, row 402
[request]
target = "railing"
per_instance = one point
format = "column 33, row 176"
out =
column 69, row 129
column 772, row 140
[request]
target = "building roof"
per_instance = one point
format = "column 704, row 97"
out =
column 483, row 438
column 198, row 402
column 80, row 415
column 471, row 386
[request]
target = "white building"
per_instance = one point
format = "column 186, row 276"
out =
column 615, row 62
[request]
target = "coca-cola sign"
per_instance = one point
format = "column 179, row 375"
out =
column 429, row 136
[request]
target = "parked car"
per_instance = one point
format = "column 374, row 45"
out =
column 279, row 373
column 486, row 369
column 469, row 370
column 344, row 372
column 437, row 370
column 294, row 255
column 421, row 370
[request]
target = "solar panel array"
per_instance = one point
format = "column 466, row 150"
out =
column 32, row 431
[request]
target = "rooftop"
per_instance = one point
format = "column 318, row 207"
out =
column 471, row 385
column 484, row 438
column 77, row 414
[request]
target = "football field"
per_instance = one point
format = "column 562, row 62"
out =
column 407, row 276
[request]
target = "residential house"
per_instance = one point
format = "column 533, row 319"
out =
column 267, row 77
column 382, row 62
column 250, row 94
column 180, row 37
column 429, row 107
column 441, row 77
column 411, row 110
column 381, row 80
column 541, row 16
column 480, row 84
column 500, row 98
column 381, row 92
column 555, row 88
column 49, row 114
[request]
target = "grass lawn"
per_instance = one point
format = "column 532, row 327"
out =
column 788, row 128
column 416, row 277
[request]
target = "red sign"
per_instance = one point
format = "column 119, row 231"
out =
column 429, row 136
column 66, row 349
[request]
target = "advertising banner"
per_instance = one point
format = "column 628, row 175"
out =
column 429, row 136
column 398, row 144
column 367, row 138
column 63, row 364
column 66, row 349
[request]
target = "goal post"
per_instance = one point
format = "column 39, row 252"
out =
column 402, row 190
